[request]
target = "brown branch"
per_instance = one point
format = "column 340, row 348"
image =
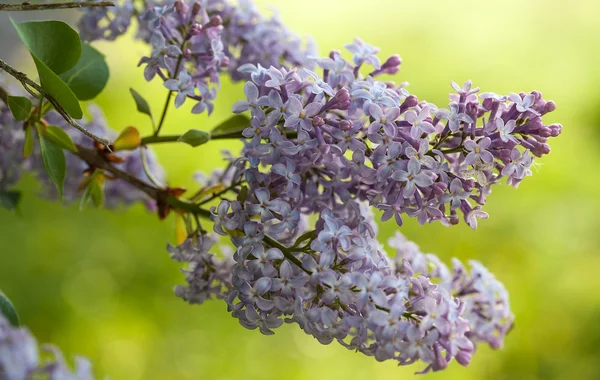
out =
column 44, row 7
column 94, row 159
column 28, row 83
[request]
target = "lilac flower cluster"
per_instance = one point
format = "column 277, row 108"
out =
column 485, row 299
column 341, row 135
column 330, row 146
column 20, row 358
column 193, row 41
column 337, row 283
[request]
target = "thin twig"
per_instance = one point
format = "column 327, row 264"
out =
column 45, row 7
column 26, row 82
column 94, row 159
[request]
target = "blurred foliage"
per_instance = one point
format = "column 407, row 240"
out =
column 99, row 283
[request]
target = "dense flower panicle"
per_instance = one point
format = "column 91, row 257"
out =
column 337, row 283
column 20, row 358
column 329, row 146
column 341, row 135
column 193, row 41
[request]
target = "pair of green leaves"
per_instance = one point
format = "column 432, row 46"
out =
column 69, row 70
column 93, row 190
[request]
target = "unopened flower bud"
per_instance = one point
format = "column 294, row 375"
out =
column 215, row 21
column 195, row 9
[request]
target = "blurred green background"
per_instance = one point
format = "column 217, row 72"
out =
column 99, row 283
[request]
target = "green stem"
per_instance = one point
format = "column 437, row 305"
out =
column 166, row 107
column 155, row 139
column 147, row 170
column 164, row 113
column 39, row 110
column 286, row 252
column 160, row 139
column 218, row 194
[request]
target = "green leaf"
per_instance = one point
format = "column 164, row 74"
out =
column 94, row 190
column 54, row 161
column 59, row 137
column 306, row 236
column 55, row 48
column 19, row 106
column 85, row 197
column 141, row 103
column 55, row 86
column 8, row 310
column 89, row 76
column 231, row 127
column 10, row 199
column 53, row 42
column 97, row 192
column 28, row 143
column 195, row 137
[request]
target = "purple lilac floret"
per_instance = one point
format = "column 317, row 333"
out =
column 192, row 42
column 21, row 359
column 359, row 138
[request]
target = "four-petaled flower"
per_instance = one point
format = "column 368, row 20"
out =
column 182, row 86
column 519, row 165
column 412, row 178
column 456, row 194
column 523, row 104
column 298, row 115
column 265, row 206
column 384, row 119
column 419, row 123
column 418, row 345
column 318, row 86
column 364, row 52
column 421, row 154
column 338, row 70
column 256, row 131
column 505, row 130
column 477, row 150
column 454, row 117
column 253, row 102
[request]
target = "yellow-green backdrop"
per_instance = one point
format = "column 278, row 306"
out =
column 99, row 283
